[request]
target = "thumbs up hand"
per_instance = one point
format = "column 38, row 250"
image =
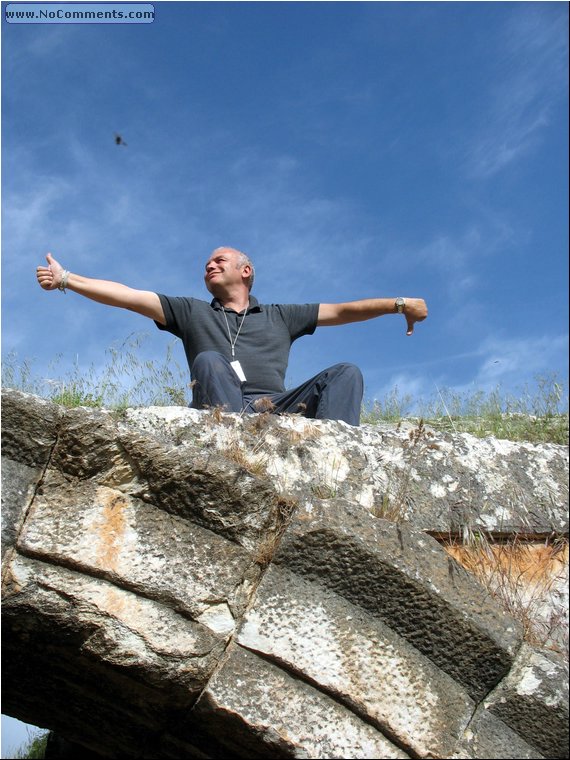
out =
column 49, row 278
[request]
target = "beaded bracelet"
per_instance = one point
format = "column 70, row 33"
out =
column 63, row 284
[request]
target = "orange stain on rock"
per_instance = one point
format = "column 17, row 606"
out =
column 517, row 565
column 112, row 530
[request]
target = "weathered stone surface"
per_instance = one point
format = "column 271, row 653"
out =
column 405, row 579
column 273, row 714
column 131, row 564
column 29, row 427
column 103, row 532
column 489, row 737
column 533, row 700
column 197, row 484
column 177, row 585
column 526, row 716
column 61, row 749
column 358, row 660
column 99, row 665
column 439, row 482
column 19, row 483
column 26, row 448
column 116, row 626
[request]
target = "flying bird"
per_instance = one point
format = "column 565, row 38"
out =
column 119, row 140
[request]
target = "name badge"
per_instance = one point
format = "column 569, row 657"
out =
column 238, row 370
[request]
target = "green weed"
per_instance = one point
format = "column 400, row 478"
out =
column 539, row 415
column 34, row 746
column 125, row 380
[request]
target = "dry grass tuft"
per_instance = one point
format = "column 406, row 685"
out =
column 250, row 461
column 266, row 551
column 525, row 577
column 389, row 509
column 215, row 415
column 394, row 507
column 286, row 506
column 264, row 405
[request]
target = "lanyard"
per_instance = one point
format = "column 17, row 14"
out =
column 234, row 341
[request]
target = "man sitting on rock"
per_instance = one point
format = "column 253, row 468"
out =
column 238, row 349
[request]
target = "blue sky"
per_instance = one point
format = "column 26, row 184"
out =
column 351, row 149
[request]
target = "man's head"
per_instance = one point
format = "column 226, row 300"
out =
column 227, row 267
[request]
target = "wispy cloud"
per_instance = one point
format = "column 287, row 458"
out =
column 460, row 257
column 502, row 362
column 506, row 359
column 124, row 227
column 302, row 241
column 531, row 81
column 314, row 194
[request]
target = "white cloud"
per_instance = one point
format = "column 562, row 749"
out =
column 531, row 81
column 505, row 143
column 406, row 384
column 102, row 220
column 508, row 363
column 457, row 258
column 508, row 359
column 300, row 241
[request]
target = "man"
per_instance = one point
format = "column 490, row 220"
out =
column 238, row 349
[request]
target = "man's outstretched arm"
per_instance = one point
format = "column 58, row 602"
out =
column 106, row 292
column 414, row 310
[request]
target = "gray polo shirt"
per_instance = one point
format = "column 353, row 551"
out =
column 264, row 341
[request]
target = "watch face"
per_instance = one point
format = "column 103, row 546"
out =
column 400, row 303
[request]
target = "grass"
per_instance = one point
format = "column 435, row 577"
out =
column 539, row 415
column 34, row 746
column 523, row 577
column 126, row 380
column 394, row 508
column 325, row 485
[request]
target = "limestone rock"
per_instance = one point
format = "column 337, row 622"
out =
column 26, row 448
column 439, row 482
column 533, row 700
column 188, row 584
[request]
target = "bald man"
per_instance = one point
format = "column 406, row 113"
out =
column 238, row 349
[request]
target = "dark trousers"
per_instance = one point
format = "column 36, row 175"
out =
column 334, row 394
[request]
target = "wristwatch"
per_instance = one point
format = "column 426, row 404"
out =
column 400, row 305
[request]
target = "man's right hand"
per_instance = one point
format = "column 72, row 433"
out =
column 107, row 292
column 49, row 277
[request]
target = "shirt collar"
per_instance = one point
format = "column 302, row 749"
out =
column 254, row 304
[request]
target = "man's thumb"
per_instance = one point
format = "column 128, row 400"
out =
column 49, row 259
column 410, row 329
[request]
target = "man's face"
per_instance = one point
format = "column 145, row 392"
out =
column 223, row 269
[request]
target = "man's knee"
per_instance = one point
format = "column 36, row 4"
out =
column 215, row 383
column 349, row 373
column 343, row 393
column 207, row 362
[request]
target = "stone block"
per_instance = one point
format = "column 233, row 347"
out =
column 103, row 532
column 29, row 427
column 358, row 660
column 114, row 667
column 255, row 709
column 405, row 579
column 533, row 700
column 487, row 736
